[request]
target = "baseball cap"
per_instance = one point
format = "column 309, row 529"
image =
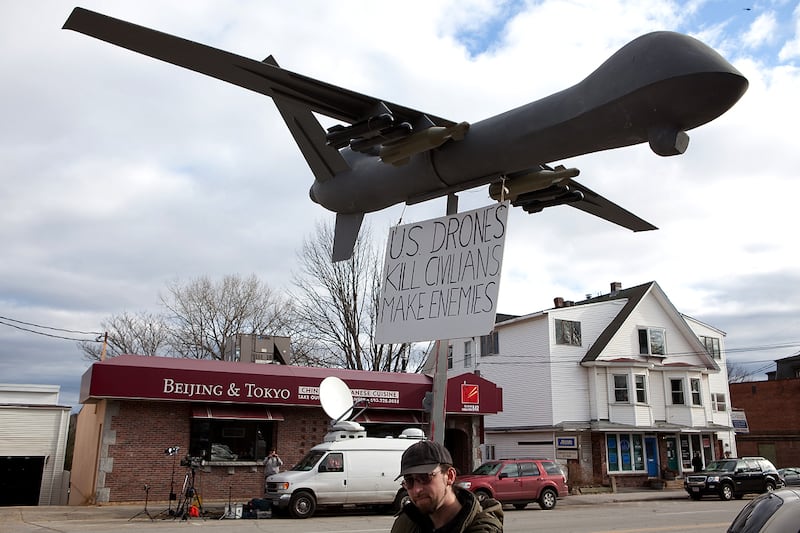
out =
column 423, row 457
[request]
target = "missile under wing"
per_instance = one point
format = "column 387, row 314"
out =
column 652, row 90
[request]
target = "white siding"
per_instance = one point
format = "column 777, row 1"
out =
column 521, row 369
column 37, row 432
column 522, row 444
column 570, row 379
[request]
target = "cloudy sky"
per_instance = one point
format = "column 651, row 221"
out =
column 120, row 173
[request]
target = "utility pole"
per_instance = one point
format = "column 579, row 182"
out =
column 105, row 343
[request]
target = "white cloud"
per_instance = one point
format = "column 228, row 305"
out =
column 121, row 172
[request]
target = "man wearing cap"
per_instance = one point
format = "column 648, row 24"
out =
column 436, row 505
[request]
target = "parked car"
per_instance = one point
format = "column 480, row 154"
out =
column 733, row 478
column 775, row 512
column 517, row 482
column 790, row 475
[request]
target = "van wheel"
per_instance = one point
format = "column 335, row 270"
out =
column 400, row 500
column 769, row 487
column 302, row 504
column 548, row 499
column 726, row 492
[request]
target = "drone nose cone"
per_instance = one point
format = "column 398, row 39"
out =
column 667, row 78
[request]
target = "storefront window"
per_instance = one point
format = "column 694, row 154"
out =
column 625, row 452
column 613, row 455
column 230, row 440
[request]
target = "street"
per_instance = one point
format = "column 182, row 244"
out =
column 623, row 517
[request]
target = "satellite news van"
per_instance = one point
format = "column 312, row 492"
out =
column 348, row 468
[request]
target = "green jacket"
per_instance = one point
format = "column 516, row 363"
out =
column 474, row 517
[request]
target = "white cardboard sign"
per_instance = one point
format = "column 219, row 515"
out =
column 441, row 277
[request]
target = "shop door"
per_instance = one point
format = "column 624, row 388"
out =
column 672, row 453
column 651, row 449
column 20, row 480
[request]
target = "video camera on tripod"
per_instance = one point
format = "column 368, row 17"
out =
column 192, row 462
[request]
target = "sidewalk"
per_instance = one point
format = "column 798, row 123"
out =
column 624, row 495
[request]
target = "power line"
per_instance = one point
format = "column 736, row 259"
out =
column 48, row 334
column 48, row 327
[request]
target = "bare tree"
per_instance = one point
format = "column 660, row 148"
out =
column 204, row 313
column 337, row 306
column 738, row 372
column 139, row 333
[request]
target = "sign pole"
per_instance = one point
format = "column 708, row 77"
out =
column 440, row 370
column 439, row 392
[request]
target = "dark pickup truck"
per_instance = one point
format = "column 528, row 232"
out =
column 733, row 478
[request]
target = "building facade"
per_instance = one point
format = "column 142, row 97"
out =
column 772, row 410
column 33, row 443
column 147, row 422
column 622, row 388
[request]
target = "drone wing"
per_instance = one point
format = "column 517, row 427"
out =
column 262, row 77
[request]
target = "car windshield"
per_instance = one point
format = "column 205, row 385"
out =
column 308, row 462
column 721, row 466
column 487, row 469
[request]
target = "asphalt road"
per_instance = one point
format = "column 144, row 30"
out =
column 640, row 512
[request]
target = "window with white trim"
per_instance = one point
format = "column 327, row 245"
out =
column 652, row 341
column 450, row 356
column 467, row 354
column 621, row 388
column 720, row 402
column 694, row 385
column 676, row 388
column 490, row 453
column 640, row 382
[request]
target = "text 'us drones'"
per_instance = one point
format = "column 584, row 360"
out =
column 653, row 90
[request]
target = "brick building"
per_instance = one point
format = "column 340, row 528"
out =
column 230, row 414
column 772, row 412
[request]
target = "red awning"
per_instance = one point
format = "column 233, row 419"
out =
column 231, row 412
column 388, row 417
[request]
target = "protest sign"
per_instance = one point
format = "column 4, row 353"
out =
column 441, row 277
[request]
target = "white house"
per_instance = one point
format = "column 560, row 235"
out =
column 621, row 387
column 33, row 443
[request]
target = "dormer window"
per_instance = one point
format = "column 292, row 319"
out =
column 652, row 341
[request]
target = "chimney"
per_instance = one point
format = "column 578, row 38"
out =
column 616, row 286
column 558, row 301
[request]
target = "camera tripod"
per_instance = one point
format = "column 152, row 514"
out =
column 189, row 496
column 171, row 451
column 144, row 511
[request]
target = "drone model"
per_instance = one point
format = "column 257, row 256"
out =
column 652, row 90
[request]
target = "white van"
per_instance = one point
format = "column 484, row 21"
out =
column 349, row 468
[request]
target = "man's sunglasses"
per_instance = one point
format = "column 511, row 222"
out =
column 422, row 479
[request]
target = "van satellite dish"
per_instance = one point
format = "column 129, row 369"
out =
column 335, row 397
column 337, row 400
